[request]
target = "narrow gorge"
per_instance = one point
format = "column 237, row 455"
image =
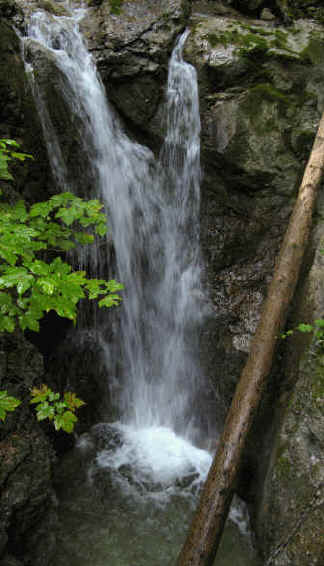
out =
column 192, row 122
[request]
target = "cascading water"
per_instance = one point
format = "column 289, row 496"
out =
column 153, row 216
column 160, row 324
column 162, row 360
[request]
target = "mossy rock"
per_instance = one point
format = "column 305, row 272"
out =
column 314, row 52
column 116, row 6
column 53, row 7
column 220, row 40
column 291, row 9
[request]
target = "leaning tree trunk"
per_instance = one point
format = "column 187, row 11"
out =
column 206, row 530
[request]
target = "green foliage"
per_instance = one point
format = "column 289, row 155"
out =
column 8, row 153
column 31, row 286
column 317, row 329
column 51, row 405
column 7, row 404
column 305, row 328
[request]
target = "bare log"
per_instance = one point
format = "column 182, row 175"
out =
column 202, row 542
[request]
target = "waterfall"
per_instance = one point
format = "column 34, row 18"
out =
column 152, row 205
column 161, row 353
column 153, row 208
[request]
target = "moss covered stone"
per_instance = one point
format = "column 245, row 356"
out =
column 116, row 6
column 53, row 7
column 266, row 91
column 300, row 8
column 250, row 40
column 314, row 52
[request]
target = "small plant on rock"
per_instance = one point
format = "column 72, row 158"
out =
column 59, row 409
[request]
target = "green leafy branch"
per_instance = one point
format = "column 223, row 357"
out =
column 31, row 286
column 38, row 287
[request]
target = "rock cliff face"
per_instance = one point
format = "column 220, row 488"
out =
column 289, row 513
column 26, row 458
column 132, row 45
column 26, row 455
column 260, row 70
column 18, row 114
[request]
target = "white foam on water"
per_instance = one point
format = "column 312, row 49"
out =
column 155, row 457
